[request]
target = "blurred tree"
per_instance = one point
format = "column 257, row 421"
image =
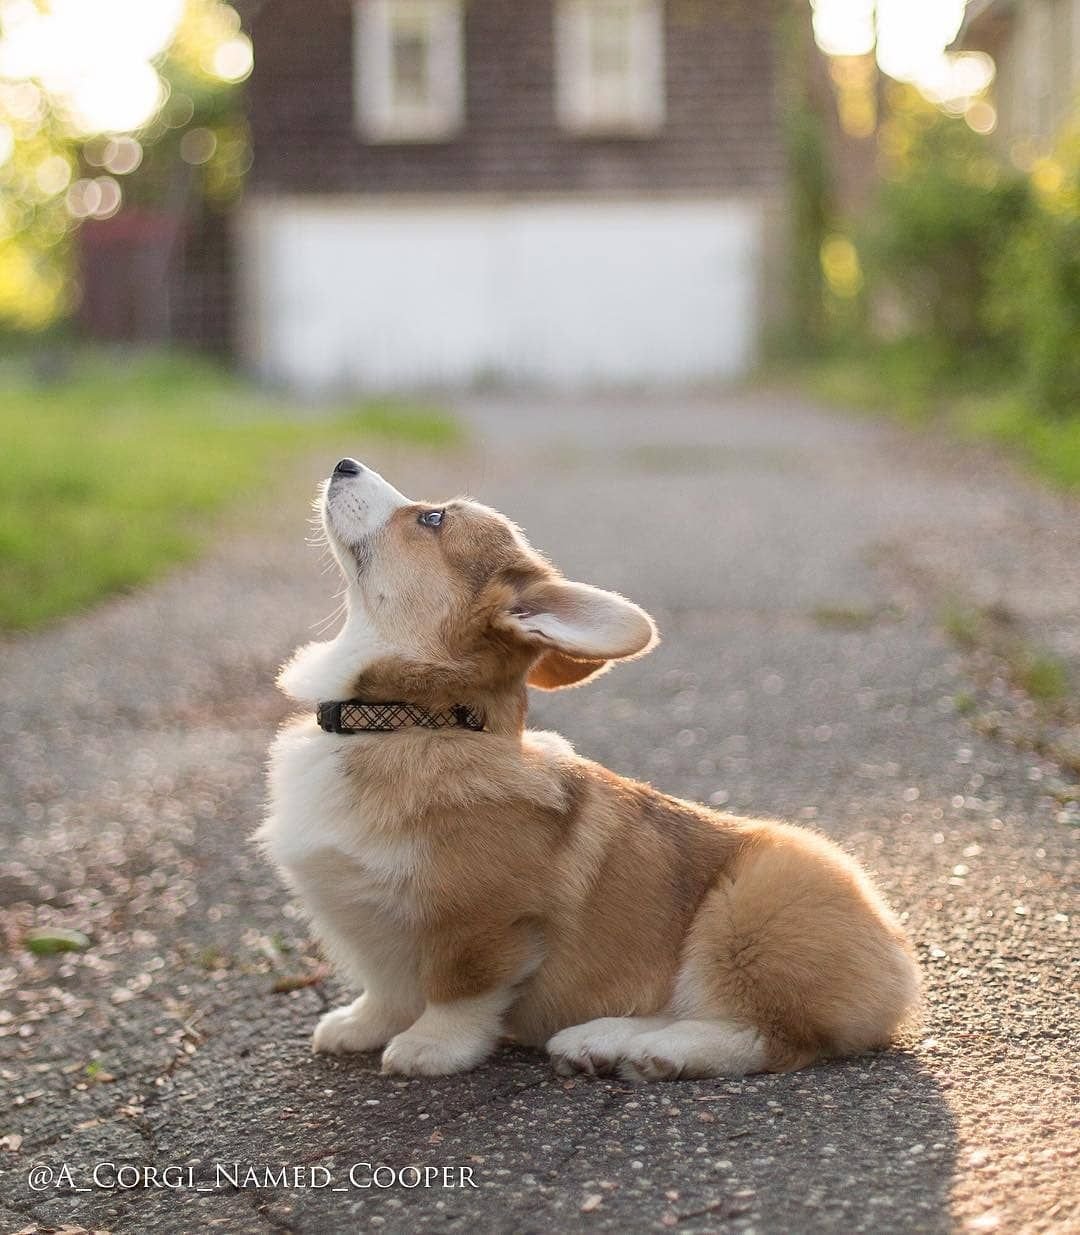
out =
column 1034, row 304
column 37, row 158
column 804, row 92
column 944, row 208
column 159, row 124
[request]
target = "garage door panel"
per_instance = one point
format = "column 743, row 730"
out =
column 557, row 292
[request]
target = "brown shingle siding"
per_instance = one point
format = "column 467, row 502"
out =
column 720, row 133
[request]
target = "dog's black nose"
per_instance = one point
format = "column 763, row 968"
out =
column 348, row 467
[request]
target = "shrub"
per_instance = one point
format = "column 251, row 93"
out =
column 940, row 219
column 1034, row 304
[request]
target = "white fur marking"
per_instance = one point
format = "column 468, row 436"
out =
column 597, row 1046
column 644, row 1048
column 356, row 506
column 327, row 670
column 449, row 1037
column 363, row 1025
column 357, row 884
column 693, row 1049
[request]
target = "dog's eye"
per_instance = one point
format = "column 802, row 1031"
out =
column 431, row 518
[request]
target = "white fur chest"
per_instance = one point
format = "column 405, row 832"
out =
column 317, row 835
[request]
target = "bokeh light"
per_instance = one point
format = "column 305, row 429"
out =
column 111, row 197
column 89, row 122
column 982, row 117
column 910, row 37
column 844, row 27
column 233, row 60
column 198, row 146
column 122, row 155
column 95, row 59
column 53, row 175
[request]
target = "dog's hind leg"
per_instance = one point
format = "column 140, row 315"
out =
column 596, row 1047
column 688, row 1049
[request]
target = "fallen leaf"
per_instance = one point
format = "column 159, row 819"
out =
column 297, row 982
column 47, row 940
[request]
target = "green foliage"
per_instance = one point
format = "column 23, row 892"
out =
column 194, row 148
column 1043, row 677
column 807, row 151
column 1035, row 301
column 1048, row 444
column 942, row 215
column 973, row 275
column 35, row 251
column 993, row 631
column 845, row 617
column 903, row 378
column 1035, row 305
column 114, row 473
column 982, row 263
column 965, row 400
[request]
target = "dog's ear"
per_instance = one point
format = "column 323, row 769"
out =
column 579, row 629
column 553, row 671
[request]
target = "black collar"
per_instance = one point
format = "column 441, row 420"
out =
column 356, row 716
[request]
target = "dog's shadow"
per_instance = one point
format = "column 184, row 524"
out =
column 858, row 1144
column 862, row 1144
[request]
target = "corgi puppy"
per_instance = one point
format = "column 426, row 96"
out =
column 474, row 879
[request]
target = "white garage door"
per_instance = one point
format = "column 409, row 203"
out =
column 568, row 293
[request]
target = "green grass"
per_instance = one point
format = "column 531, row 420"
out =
column 872, row 383
column 1050, row 446
column 1042, row 676
column 965, row 703
column 963, row 626
column 118, row 470
column 914, row 385
column 844, row 617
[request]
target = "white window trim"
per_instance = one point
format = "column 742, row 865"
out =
column 378, row 118
column 575, row 103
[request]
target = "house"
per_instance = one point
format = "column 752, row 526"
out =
column 1036, row 47
column 544, row 191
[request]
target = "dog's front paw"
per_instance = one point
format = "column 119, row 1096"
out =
column 418, row 1054
column 361, row 1026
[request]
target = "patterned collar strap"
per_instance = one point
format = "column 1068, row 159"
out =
column 355, row 716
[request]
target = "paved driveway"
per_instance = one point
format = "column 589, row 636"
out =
column 797, row 564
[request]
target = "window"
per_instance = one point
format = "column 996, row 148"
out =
column 409, row 69
column 610, row 65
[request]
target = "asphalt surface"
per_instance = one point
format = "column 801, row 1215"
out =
column 797, row 563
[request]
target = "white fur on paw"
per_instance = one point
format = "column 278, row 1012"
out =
column 353, row 1028
column 418, row 1054
column 596, row 1047
column 584, row 1049
column 642, row 1064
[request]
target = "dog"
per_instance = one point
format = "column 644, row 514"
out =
column 477, row 880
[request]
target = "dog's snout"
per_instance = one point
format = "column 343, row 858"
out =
column 348, row 467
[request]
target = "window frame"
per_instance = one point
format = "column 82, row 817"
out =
column 379, row 118
column 578, row 108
